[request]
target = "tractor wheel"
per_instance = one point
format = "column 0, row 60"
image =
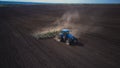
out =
column 61, row 40
column 68, row 42
column 76, row 41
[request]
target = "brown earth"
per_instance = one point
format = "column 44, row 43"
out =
column 100, row 42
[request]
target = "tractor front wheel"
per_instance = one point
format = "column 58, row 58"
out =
column 68, row 42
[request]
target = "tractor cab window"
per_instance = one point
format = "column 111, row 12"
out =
column 65, row 32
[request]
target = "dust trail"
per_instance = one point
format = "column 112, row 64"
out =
column 66, row 21
column 71, row 20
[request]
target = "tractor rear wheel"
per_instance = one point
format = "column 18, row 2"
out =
column 61, row 40
column 68, row 42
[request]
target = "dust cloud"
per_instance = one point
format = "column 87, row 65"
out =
column 72, row 21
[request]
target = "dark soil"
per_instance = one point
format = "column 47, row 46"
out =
column 99, row 49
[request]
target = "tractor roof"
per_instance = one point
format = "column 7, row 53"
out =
column 65, row 30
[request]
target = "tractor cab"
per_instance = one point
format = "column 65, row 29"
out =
column 65, row 36
column 65, row 31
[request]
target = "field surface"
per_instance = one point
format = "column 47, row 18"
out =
column 99, row 36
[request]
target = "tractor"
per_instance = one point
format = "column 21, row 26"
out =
column 65, row 36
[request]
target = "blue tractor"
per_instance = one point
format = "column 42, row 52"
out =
column 65, row 36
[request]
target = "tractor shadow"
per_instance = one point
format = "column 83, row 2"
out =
column 78, row 44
